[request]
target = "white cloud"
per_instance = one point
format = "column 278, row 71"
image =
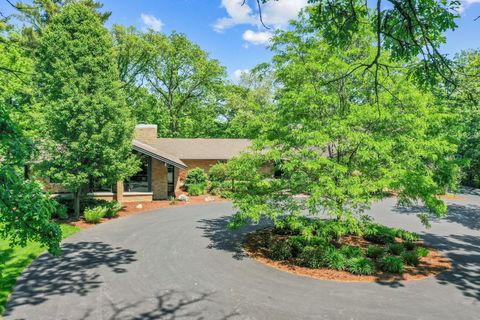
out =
column 151, row 22
column 465, row 4
column 260, row 37
column 237, row 74
column 275, row 14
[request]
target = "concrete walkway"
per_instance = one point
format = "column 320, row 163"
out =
column 182, row 263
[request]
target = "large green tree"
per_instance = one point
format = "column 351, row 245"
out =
column 336, row 142
column 25, row 212
column 186, row 83
column 87, row 127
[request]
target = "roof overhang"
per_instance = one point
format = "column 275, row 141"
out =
column 149, row 150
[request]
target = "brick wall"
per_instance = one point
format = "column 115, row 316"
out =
column 159, row 180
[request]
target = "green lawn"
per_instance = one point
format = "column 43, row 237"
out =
column 14, row 260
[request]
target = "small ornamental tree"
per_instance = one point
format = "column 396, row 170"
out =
column 337, row 144
column 87, row 127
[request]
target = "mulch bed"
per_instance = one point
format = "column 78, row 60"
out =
column 429, row 266
column 130, row 208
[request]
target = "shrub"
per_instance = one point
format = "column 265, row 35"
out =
column 361, row 266
column 421, row 251
column 375, row 252
column 351, row 251
column 411, row 258
column 335, row 259
column 407, row 235
column 312, row 257
column 280, row 250
column 172, row 200
column 395, row 248
column 409, row 245
column 218, row 172
column 112, row 209
column 196, row 176
column 94, row 215
column 334, row 229
column 61, row 212
column 379, row 234
column 392, row 264
column 196, row 189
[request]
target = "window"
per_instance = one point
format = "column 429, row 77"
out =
column 170, row 181
column 141, row 181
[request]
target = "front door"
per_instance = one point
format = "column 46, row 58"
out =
column 170, row 181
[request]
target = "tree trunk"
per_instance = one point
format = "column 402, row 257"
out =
column 76, row 202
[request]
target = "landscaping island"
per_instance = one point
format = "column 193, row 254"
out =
column 333, row 250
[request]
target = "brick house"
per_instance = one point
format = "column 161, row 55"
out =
column 165, row 163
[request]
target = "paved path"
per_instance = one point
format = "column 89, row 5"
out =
column 181, row 263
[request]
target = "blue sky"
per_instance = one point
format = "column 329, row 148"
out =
column 232, row 34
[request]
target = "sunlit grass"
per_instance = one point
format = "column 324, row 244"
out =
column 13, row 260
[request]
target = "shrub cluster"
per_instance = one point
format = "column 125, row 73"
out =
column 315, row 244
column 95, row 214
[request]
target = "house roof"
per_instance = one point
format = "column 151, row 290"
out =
column 202, row 149
column 148, row 149
column 174, row 150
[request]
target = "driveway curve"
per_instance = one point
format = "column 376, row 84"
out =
column 182, row 263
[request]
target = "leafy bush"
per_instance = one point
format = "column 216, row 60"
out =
column 299, row 242
column 196, row 189
column 407, row 235
column 94, row 215
column 218, row 172
column 61, row 212
column 281, row 250
column 196, row 176
column 361, row 265
column 112, row 209
column 409, row 245
column 379, row 234
column 374, row 251
column 172, row 201
column 335, row 259
column 421, row 251
column 411, row 258
column 395, row 248
column 392, row 264
column 312, row 257
column 351, row 251
column 334, row 229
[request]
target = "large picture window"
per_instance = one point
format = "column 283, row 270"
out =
column 141, row 181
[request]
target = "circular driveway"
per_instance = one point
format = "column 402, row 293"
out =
column 182, row 263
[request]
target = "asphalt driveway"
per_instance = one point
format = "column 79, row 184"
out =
column 182, row 263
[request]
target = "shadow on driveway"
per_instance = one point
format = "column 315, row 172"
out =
column 222, row 238
column 169, row 305
column 72, row 272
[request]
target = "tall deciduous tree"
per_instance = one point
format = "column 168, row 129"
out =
column 86, row 123
column 25, row 212
column 337, row 143
column 186, row 83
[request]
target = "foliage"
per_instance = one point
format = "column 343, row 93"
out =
column 172, row 200
column 338, row 144
column 95, row 214
column 379, row 234
column 361, row 265
column 395, row 248
column 336, row 259
column 312, row 257
column 86, row 124
column 218, row 172
column 113, row 208
column 281, row 250
column 61, row 212
column 411, row 258
column 392, row 264
column 407, row 235
column 408, row 245
column 196, row 176
column 421, row 251
column 14, row 259
column 196, row 189
column 374, row 252
column 351, row 251
column 407, row 29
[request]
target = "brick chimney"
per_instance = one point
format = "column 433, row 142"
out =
column 145, row 132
